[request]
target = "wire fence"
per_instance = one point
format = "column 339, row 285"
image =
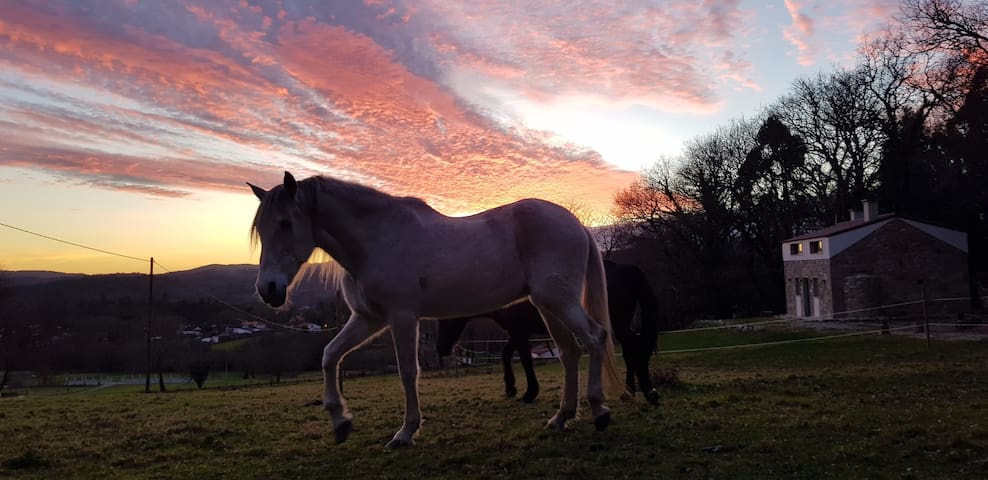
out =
column 475, row 357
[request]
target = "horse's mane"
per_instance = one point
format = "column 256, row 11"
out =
column 361, row 197
column 327, row 274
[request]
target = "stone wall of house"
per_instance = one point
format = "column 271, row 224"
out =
column 861, row 291
column 886, row 267
column 818, row 269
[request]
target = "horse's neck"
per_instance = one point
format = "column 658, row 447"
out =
column 346, row 224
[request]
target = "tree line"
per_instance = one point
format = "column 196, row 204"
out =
column 906, row 125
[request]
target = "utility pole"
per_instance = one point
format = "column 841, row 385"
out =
column 147, row 331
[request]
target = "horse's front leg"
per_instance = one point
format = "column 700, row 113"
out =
column 644, row 380
column 629, row 354
column 405, row 333
column 357, row 330
column 525, row 355
column 509, row 374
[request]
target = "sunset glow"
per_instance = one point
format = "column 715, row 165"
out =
column 132, row 125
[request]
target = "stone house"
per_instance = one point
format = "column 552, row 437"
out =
column 871, row 260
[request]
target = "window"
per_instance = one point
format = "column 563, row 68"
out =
column 795, row 248
column 816, row 246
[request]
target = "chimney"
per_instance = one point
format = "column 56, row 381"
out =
column 870, row 210
column 853, row 214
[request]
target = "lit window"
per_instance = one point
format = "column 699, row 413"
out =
column 816, row 246
column 795, row 248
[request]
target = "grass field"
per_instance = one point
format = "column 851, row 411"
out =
column 861, row 407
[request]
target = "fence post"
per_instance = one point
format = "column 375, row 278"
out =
column 926, row 319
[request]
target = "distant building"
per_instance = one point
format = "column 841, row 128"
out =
column 871, row 260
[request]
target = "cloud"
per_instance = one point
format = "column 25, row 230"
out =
column 643, row 53
column 862, row 17
column 166, row 98
column 800, row 33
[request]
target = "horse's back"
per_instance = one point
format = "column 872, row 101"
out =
column 550, row 239
column 476, row 264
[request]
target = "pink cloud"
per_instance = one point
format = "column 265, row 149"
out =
column 654, row 54
column 862, row 17
column 270, row 92
column 800, row 33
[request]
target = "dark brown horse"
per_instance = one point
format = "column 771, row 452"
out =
column 627, row 290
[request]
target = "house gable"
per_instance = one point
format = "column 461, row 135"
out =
column 953, row 238
column 892, row 260
column 829, row 244
column 841, row 241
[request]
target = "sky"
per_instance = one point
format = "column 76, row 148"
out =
column 131, row 125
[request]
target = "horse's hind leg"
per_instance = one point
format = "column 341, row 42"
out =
column 356, row 331
column 405, row 333
column 569, row 356
column 593, row 336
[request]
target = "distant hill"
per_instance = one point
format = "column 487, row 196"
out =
column 229, row 283
column 33, row 277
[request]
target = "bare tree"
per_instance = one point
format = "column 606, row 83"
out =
column 619, row 235
column 952, row 25
column 690, row 205
column 839, row 123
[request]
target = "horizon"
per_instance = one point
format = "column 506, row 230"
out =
column 132, row 126
column 199, row 267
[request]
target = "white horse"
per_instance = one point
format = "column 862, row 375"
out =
column 404, row 261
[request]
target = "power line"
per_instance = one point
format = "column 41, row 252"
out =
column 139, row 259
column 100, row 250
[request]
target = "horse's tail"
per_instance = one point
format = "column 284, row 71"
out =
column 595, row 301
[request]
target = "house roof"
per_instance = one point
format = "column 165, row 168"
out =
column 841, row 227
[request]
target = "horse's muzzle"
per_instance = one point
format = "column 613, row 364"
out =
column 272, row 294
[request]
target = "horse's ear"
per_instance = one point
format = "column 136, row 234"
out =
column 258, row 191
column 290, row 185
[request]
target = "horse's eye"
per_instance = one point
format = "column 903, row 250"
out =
column 285, row 225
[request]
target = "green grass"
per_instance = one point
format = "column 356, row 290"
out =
column 871, row 407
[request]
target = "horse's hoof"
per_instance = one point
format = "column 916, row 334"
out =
column 601, row 421
column 653, row 397
column 342, row 431
column 511, row 392
column 395, row 444
column 529, row 397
